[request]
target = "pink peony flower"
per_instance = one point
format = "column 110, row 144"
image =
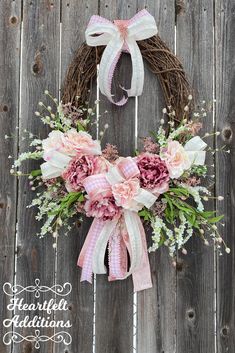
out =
column 80, row 143
column 176, row 159
column 124, row 193
column 102, row 206
column 154, row 174
column 81, row 167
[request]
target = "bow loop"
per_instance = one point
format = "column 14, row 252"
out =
column 95, row 183
column 128, row 168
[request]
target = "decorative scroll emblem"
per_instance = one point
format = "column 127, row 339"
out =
column 13, row 290
column 121, row 36
column 59, row 337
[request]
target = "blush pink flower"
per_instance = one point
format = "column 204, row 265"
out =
column 176, row 159
column 81, row 167
column 154, row 174
column 125, row 191
column 53, row 143
column 102, row 206
column 80, row 143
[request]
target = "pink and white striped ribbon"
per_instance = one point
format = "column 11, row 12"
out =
column 118, row 36
column 122, row 235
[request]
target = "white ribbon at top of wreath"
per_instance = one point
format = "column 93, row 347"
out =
column 118, row 36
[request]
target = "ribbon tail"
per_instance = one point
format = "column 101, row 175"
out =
column 101, row 245
column 117, row 255
column 137, row 247
column 86, row 254
column 142, row 275
column 108, row 64
column 137, row 80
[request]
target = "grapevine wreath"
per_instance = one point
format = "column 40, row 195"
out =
column 163, row 185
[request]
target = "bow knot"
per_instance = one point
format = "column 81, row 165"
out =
column 122, row 26
column 118, row 36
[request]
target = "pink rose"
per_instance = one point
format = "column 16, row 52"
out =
column 124, row 193
column 102, row 206
column 176, row 159
column 154, row 174
column 80, row 143
column 81, row 167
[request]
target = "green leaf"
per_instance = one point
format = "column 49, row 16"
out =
column 66, row 202
column 207, row 214
column 145, row 214
column 215, row 219
column 80, row 127
column 183, row 206
column 169, row 212
column 179, row 191
column 81, row 198
column 36, row 172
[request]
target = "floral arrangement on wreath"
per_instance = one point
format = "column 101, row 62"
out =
column 161, row 185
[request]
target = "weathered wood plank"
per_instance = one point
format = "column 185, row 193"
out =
column 225, row 170
column 75, row 16
column 156, row 307
column 10, row 30
column 39, row 71
column 195, row 281
column 114, row 313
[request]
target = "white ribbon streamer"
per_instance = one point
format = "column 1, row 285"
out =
column 195, row 150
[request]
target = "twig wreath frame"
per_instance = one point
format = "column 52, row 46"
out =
column 161, row 60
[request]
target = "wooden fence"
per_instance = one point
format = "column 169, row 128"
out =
column 191, row 308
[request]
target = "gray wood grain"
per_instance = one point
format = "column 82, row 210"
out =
column 39, row 71
column 225, row 171
column 195, row 280
column 156, row 307
column 114, row 312
column 10, row 29
column 75, row 16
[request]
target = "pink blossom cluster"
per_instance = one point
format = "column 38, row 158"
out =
column 125, row 183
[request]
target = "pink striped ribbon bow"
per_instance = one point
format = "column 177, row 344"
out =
column 123, row 234
column 118, row 36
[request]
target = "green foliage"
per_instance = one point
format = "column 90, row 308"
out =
column 199, row 170
column 175, row 204
column 65, row 204
column 145, row 214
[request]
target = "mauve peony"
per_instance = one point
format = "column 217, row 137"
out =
column 125, row 192
column 176, row 159
column 154, row 175
column 102, row 206
column 81, row 167
column 80, row 143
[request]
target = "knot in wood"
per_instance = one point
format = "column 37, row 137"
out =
column 13, row 20
column 227, row 134
column 180, row 7
column 191, row 314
